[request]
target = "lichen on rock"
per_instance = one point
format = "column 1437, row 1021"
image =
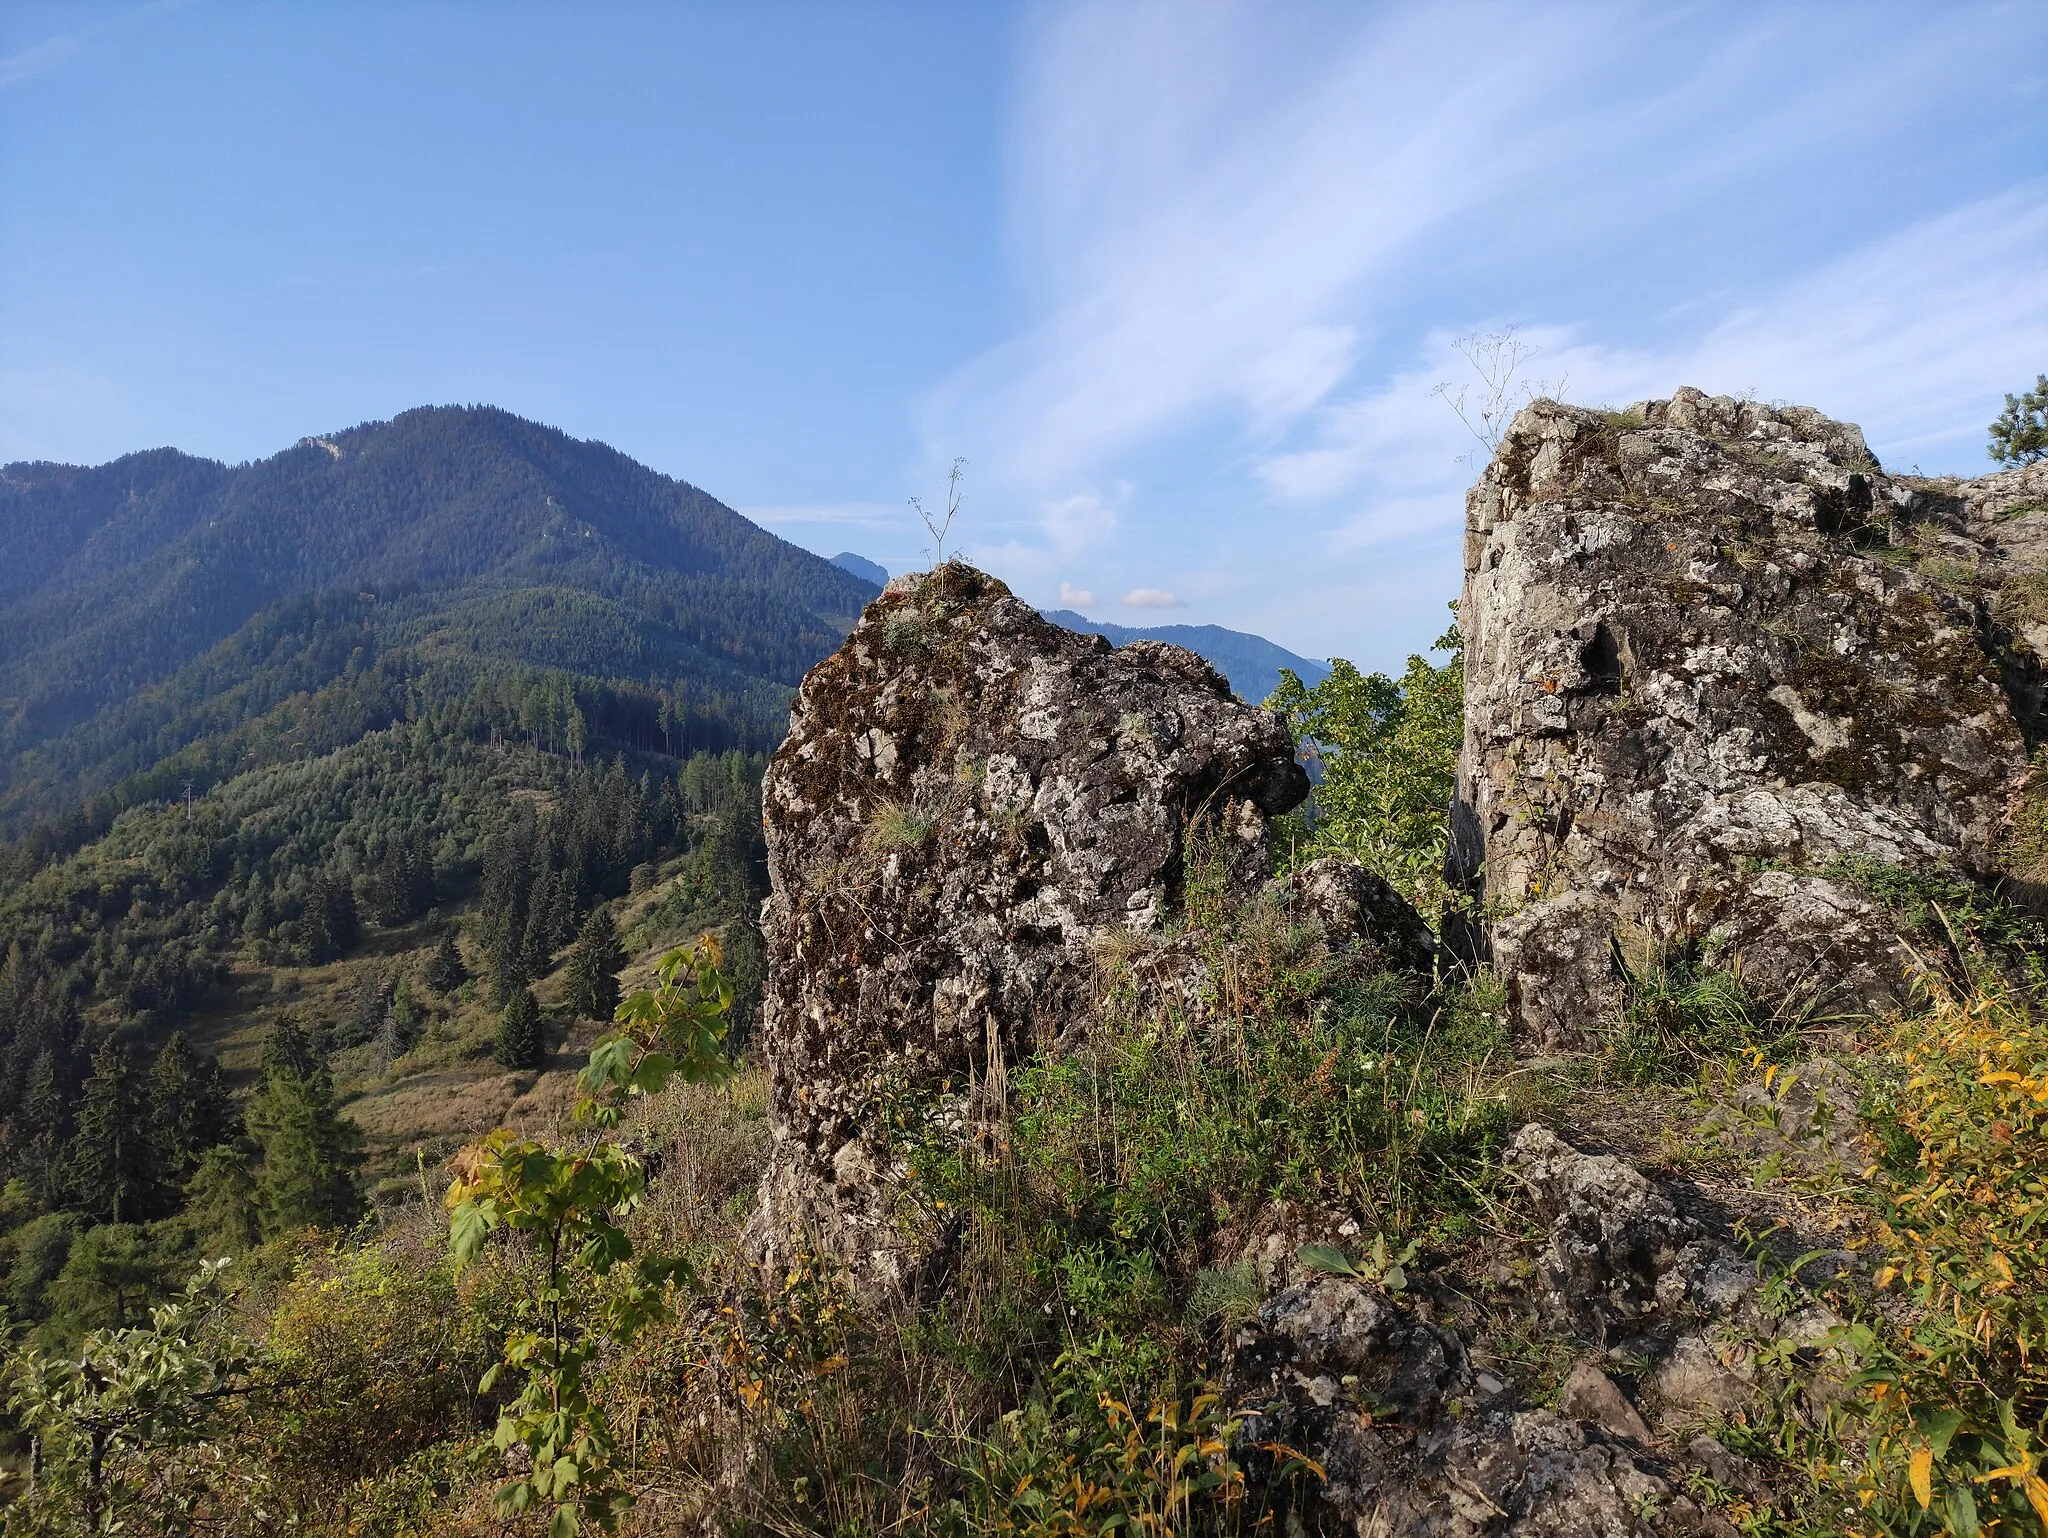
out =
column 970, row 804
column 1699, row 674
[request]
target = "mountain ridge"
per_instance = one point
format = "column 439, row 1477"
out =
column 120, row 578
column 1251, row 662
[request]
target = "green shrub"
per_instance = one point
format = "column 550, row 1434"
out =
column 374, row 1356
column 1388, row 751
column 1957, row 1397
column 1678, row 1016
column 1097, row 1452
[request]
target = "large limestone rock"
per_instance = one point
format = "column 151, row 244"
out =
column 971, row 803
column 1712, row 651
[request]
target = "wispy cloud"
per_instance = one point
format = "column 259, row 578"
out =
column 1906, row 335
column 1197, row 226
column 852, row 515
column 1072, row 597
column 1244, row 240
column 47, row 54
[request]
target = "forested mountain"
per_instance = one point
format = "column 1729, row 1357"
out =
column 336, row 791
column 1251, row 662
column 164, row 618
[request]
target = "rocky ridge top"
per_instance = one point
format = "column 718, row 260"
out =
column 1714, row 655
column 971, row 802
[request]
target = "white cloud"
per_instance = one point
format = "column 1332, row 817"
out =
column 1199, row 205
column 1073, row 523
column 1151, row 598
column 1913, row 336
column 1072, row 597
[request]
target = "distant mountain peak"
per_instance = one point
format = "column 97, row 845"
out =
column 861, row 567
column 1251, row 662
column 117, row 579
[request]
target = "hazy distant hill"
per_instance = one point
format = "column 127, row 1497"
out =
column 1251, row 663
column 155, row 612
column 862, row 567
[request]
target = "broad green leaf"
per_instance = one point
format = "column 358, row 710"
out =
column 1326, row 1258
column 467, row 1230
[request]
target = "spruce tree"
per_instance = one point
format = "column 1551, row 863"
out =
column 446, row 973
column 594, row 967
column 220, row 1204
column 309, row 1149
column 46, row 1113
column 190, row 1109
column 537, row 948
column 520, row 1043
column 111, row 1167
column 291, row 1049
column 331, row 916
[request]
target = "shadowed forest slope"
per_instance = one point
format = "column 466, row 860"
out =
column 163, row 618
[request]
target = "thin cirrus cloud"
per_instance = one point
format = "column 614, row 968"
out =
column 47, row 54
column 1899, row 336
column 1246, row 242
column 1182, row 266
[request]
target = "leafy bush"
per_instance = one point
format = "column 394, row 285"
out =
column 103, row 1419
column 1388, row 753
column 570, row 1205
column 373, row 1357
column 1958, row 1399
column 1087, row 1457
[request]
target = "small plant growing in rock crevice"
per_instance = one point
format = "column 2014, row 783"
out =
column 939, row 525
column 896, row 825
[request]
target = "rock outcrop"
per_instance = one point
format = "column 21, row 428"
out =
column 1418, row 1435
column 970, row 803
column 1412, row 1443
column 1714, row 656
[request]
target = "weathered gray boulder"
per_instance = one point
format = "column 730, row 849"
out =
column 1712, row 651
column 1413, row 1444
column 971, row 805
column 1612, row 1234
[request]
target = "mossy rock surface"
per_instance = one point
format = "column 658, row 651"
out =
column 1706, row 636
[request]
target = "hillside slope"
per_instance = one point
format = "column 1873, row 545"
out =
column 160, row 601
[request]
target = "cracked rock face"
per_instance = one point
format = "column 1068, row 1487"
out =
column 1613, row 1235
column 1699, row 673
column 1411, row 1442
column 970, row 804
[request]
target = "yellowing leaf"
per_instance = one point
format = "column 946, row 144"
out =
column 2037, row 1497
column 1920, row 1474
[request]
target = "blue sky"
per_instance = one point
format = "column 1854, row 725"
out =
column 1177, row 280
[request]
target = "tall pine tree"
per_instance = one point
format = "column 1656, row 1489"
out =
column 111, row 1168
column 520, row 1043
column 446, row 973
column 594, row 967
column 190, row 1109
column 309, row 1150
column 221, row 1207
